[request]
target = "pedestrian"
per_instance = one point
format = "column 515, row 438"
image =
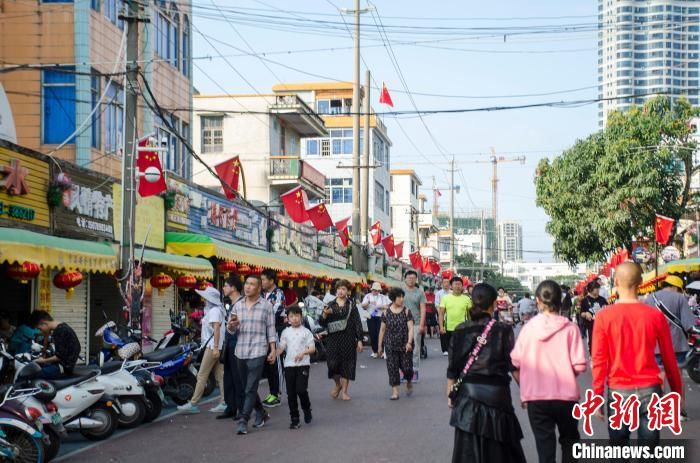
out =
column 254, row 320
column 625, row 337
column 478, row 386
column 526, row 308
column 590, row 306
column 567, row 302
column 504, row 305
column 454, row 309
column 7, row 329
column 446, row 288
column 274, row 296
column 344, row 340
column 430, row 313
column 66, row 345
column 298, row 342
column 414, row 300
column 213, row 333
column 233, row 387
column 549, row 354
column 395, row 340
column 375, row 303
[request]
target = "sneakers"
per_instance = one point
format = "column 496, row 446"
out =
column 374, row 356
column 307, row 416
column 416, row 377
column 271, row 401
column 260, row 419
column 242, row 428
column 445, row 354
column 221, row 408
column 188, row 408
column 294, row 425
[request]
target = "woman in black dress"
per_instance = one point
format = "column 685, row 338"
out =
column 486, row 428
column 342, row 345
column 395, row 338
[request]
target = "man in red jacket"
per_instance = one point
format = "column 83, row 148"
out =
column 625, row 336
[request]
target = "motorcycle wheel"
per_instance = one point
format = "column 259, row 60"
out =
column 109, row 420
column 694, row 369
column 211, row 385
column 27, row 448
column 153, row 406
column 184, row 389
column 133, row 411
column 54, row 445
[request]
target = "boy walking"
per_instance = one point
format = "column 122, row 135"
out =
column 298, row 341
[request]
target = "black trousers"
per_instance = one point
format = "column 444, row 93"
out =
column 445, row 341
column 545, row 416
column 233, row 386
column 373, row 326
column 399, row 359
column 297, row 379
column 272, row 373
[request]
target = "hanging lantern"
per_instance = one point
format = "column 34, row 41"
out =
column 68, row 280
column 204, row 284
column 283, row 275
column 304, row 276
column 293, row 276
column 244, row 269
column 24, row 272
column 257, row 270
column 160, row 282
column 226, row 267
column 186, row 282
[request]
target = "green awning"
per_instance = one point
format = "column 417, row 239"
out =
column 18, row 245
column 196, row 266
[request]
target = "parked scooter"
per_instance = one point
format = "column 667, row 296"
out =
column 692, row 359
column 174, row 365
column 21, row 439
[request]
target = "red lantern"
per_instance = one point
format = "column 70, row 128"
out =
column 161, row 281
column 244, row 269
column 204, row 284
column 305, row 276
column 68, row 280
column 226, row 266
column 293, row 276
column 257, row 270
column 283, row 275
column 186, row 282
column 24, row 272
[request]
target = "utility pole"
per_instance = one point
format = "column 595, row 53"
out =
column 481, row 245
column 364, row 174
column 452, row 213
column 435, row 200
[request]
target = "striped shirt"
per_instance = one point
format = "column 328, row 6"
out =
column 257, row 328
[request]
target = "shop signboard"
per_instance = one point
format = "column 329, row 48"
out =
column 84, row 205
column 150, row 219
column 294, row 239
column 331, row 251
column 212, row 215
column 24, row 181
column 177, row 205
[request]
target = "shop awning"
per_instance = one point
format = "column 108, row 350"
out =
column 390, row 282
column 18, row 245
column 195, row 266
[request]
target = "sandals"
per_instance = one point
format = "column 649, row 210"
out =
column 394, row 397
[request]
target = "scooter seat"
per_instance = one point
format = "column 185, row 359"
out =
column 163, row 355
column 86, row 370
column 68, row 381
column 110, row 367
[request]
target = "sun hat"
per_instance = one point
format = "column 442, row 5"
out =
column 376, row 286
column 210, row 294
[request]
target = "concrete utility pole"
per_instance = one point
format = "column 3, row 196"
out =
column 481, row 244
column 452, row 213
column 364, row 174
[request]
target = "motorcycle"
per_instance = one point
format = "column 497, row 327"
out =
column 174, row 366
column 21, row 439
column 692, row 360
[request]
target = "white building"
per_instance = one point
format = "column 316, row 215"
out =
column 646, row 48
column 510, row 234
column 428, row 229
column 405, row 206
column 531, row 274
column 333, row 101
column 269, row 145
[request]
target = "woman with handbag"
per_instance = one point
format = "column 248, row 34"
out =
column 344, row 341
column 396, row 339
column 478, row 386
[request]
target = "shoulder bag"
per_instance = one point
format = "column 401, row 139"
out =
column 340, row 325
column 473, row 355
column 670, row 316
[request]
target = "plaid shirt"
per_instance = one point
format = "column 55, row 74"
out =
column 257, row 328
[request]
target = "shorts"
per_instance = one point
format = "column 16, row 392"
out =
column 680, row 357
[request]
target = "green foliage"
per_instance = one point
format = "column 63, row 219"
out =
column 605, row 190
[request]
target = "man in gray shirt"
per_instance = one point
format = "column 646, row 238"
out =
column 415, row 302
column 675, row 301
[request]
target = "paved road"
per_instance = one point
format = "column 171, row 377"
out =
column 370, row 428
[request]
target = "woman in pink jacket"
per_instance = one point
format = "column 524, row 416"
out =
column 549, row 354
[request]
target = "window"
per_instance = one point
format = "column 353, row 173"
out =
column 312, row 147
column 95, row 5
column 378, row 195
column 323, row 107
column 112, row 12
column 57, row 1
column 114, row 119
column 96, row 127
column 212, row 134
column 186, row 47
column 175, row 41
column 341, row 142
column 339, row 190
column 334, row 106
column 185, row 164
column 388, row 204
column 58, row 105
column 170, row 158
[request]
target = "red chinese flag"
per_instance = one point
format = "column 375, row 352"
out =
column 398, row 250
column 388, row 243
column 447, row 275
column 384, row 97
column 229, row 172
column 376, row 233
column 435, row 267
column 624, row 256
column 148, row 165
column 437, row 192
column 319, row 216
column 425, row 267
column 663, row 228
column 416, row 261
column 342, row 227
column 295, row 204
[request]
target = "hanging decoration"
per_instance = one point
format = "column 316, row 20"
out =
column 186, row 282
column 226, row 267
column 68, row 280
column 244, row 269
column 229, row 172
column 295, row 203
column 161, row 282
column 204, row 284
column 24, row 272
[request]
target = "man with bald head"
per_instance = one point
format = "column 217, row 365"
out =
column 625, row 337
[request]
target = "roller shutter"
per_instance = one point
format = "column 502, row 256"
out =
column 73, row 310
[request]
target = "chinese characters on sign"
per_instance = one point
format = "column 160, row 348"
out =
column 222, row 216
column 90, row 204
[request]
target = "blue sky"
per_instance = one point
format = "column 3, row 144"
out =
column 462, row 63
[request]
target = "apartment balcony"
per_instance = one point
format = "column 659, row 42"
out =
column 430, row 252
column 292, row 171
column 299, row 116
column 426, row 220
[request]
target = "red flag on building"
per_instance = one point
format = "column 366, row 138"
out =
column 437, row 192
column 398, row 250
column 435, row 267
column 416, row 261
column 376, row 233
column 663, row 228
column 426, row 268
column 229, row 172
column 151, row 180
column 388, row 243
column 384, row 97
column 320, row 217
column 342, row 227
column 295, row 204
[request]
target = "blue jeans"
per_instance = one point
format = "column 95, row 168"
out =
column 644, row 435
column 51, row 371
column 250, row 372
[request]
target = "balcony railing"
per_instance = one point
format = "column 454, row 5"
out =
column 293, row 168
column 293, row 102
